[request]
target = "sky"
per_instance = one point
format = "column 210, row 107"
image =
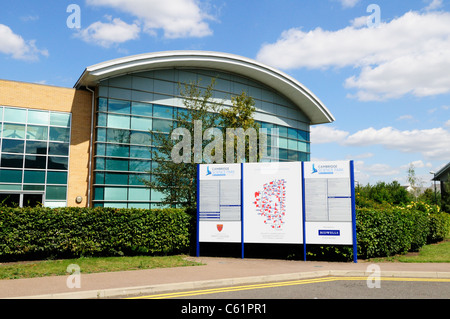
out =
column 382, row 68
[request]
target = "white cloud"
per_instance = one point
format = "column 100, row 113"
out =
column 177, row 18
column 433, row 144
column 349, row 3
column 447, row 124
column 325, row 134
column 434, row 4
column 405, row 117
column 408, row 55
column 106, row 34
column 14, row 45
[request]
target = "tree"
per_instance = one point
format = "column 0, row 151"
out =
column 196, row 137
column 414, row 182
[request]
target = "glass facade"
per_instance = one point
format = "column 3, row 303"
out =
column 34, row 155
column 131, row 108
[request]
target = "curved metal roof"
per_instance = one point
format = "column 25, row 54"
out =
column 279, row 81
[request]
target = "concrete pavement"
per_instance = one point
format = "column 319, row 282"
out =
column 214, row 272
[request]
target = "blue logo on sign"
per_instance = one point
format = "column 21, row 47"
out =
column 208, row 172
column 329, row 232
column 314, row 170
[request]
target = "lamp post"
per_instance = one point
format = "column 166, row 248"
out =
column 434, row 181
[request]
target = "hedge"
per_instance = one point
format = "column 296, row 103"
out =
column 37, row 233
column 396, row 230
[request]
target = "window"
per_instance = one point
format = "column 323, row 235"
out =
column 118, row 106
column 34, row 177
column 143, row 109
column 37, row 132
column 34, row 141
column 13, row 146
column 162, row 111
column 13, row 130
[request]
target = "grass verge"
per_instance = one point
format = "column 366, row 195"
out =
column 30, row 269
column 434, row 253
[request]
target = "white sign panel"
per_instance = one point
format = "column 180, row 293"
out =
column 328, row 203
column 272, row 203
column 219, row 203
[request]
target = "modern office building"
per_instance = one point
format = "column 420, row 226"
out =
column 90, row 145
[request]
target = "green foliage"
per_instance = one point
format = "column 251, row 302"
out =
column 382, row 194
column 37, row 233
column 383, row 232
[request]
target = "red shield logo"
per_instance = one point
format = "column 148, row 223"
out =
column 219, row 227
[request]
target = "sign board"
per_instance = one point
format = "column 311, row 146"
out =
column 328, row 203
column 281, row 203
column 272, row 205
column 219, row 203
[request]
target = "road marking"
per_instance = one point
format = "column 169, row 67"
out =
column 277, row 284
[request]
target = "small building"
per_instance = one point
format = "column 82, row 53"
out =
column 443, row 176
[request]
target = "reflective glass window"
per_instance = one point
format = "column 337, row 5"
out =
column 139, row 194
column 292, row 145
column 13, row 146
column 102, row 105
column 302, row 135
column 116, row 164
column 118, row 121
column 116, row 179
column 140, row 152
column 32, row 161
column 117, row 150
column 14, row 130
column 34, row 177
column 15, row 115
column 292, row 133
column 14, row 161
column 144, row 109
column 56, row 193
column 162, row 125
column 141, row 123
column 118, row 106
column 38, row 117
column 139, row 166
column 60, row 119
column 115, row 193
column 138, row 179
column 35, row 147
column 37, row 132
column 98, row 193
column 61, row 134
column 56, row 177
column 142, row 138
column 60, row 163
column 58, row 148
column 118, row 136
column 10, row 176
column 163, row 111
column 101, row 119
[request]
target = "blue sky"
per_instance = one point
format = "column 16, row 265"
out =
column 383, row 70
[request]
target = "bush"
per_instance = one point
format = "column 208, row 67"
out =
column 37, row 233
column 397, row 230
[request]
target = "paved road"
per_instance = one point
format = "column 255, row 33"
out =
column 325, row 288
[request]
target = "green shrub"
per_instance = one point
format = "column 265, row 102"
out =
column 388, row 231
column 40, row 232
